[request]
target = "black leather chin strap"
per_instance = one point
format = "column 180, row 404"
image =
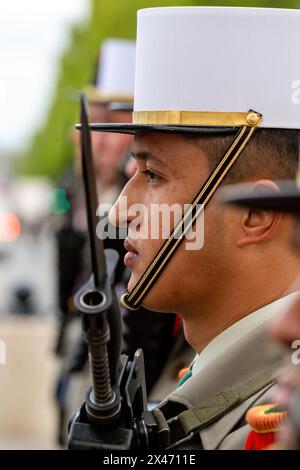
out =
column 132, row 300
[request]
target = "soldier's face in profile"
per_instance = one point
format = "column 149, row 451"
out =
column 171, row 170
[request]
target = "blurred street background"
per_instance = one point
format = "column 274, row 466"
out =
column 48, row 54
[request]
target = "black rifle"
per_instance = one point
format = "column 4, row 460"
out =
column 114, row 414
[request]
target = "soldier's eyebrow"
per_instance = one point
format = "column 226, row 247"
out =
column 147, row 156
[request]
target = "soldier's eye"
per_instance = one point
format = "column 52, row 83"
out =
column 151, row 177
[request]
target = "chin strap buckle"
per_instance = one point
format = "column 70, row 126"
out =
column 124, row 302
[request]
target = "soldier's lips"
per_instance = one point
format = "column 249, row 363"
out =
column 131, row 257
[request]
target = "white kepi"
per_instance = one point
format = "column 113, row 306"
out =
column 115, row 75
column 208, row 66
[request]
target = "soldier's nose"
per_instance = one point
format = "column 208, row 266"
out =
column 124, row 212
column 118, row 214
column 116, row 217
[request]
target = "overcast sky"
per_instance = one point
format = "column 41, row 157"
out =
column 33, row 34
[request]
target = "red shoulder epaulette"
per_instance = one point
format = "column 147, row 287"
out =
column 266, row 421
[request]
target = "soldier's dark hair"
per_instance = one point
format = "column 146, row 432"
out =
column 270, row 154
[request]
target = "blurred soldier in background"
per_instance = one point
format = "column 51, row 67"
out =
column 286, row 330
column 110, row 100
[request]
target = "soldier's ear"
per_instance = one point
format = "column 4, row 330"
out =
column 258, row 225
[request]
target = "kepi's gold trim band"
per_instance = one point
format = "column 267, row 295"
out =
column 195, row 118
column 95, row 95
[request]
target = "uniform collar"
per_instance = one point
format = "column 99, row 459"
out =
column 238, row 330
column 249, row 354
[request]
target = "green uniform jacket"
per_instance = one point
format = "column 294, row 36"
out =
column 251, row 356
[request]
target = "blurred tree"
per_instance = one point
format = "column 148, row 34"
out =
column 51, row 150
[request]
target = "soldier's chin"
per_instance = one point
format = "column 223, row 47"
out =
column 154, row 300
column 132, row 281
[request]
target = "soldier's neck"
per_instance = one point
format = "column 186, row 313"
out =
column 207, row 320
